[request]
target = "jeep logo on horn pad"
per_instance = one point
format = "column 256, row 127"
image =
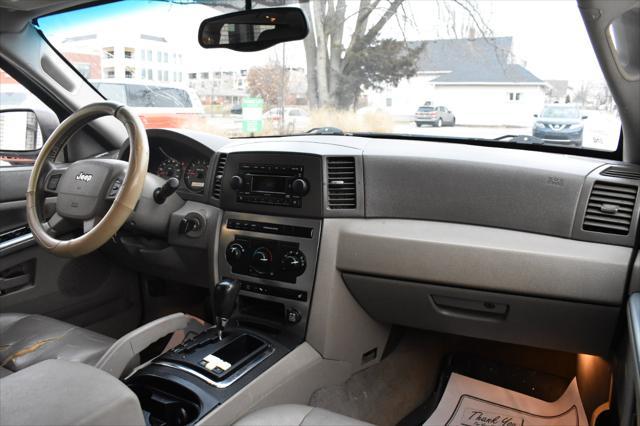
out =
column 85, row 177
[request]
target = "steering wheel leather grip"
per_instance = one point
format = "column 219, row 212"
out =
column 82, row 194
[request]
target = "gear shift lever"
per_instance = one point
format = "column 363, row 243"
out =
column 225, row 294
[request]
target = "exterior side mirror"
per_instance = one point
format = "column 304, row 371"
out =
column 253, row 30
column 584, row 117
column 22, row 133
column 19, row 131
column 535, row 115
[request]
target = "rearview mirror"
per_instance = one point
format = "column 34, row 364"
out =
column 252, row 30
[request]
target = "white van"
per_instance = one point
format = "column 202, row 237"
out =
column 159, row 105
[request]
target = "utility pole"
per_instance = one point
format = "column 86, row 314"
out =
column 282, row 92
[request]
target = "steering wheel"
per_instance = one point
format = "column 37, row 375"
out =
column 85, row 188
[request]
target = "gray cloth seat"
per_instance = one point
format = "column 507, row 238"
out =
column 27, row 339
column 297, row 415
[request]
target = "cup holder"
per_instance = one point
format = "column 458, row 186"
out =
column 166, row 402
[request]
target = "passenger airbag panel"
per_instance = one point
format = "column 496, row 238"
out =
column 485, row 258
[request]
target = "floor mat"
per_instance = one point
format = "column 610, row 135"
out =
column 386, row 392
column 470, row 402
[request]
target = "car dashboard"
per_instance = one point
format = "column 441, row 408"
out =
column 457, row 238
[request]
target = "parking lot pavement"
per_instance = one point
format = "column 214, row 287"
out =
column 601, row 131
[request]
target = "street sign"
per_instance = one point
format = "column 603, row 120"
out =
column 252, row 115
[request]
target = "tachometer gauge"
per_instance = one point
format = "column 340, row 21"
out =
column 195, row 175
column 169, row 168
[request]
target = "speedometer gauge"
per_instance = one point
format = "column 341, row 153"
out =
column 169, row 168
column 195, row 175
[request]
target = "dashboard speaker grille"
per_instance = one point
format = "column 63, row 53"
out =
column 218, row 175
column 341, row 174
column 621, row 172
column 610, row 208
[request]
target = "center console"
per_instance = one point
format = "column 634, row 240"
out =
column 183, row 385
column 270, row 236
column 265, row 257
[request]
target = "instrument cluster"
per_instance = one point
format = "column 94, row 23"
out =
column 189, row 168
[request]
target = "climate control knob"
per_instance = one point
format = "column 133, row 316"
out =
column 294, row 261
column 236, row 182
column 235, row 253
column 261, row 260
column 299, row 186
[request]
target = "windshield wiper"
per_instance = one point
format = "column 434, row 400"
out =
column 325, row 131
column 524, row 139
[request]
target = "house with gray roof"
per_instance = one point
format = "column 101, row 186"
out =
column 479, row 80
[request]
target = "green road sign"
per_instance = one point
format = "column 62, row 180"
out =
column 252, row 114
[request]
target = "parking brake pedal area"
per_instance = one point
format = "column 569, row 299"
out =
column 471, row 402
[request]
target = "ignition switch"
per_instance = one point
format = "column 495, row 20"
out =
column 192, row 225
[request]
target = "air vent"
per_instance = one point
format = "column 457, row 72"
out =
column 621, row 172
column 218, row 175
column 341, row 173
column 610, row 208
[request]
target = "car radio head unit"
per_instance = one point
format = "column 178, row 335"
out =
column 281, row 185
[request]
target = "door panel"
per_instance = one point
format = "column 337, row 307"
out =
column 14, row 181
column 85, row 291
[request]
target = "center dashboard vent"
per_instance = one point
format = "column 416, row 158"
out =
column 218, row 175
column 341, row 174
column 610, row 208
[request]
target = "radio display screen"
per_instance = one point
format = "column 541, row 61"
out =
column 274, row 184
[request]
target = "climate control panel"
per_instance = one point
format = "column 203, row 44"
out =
column 275, row 259
column 264, row 258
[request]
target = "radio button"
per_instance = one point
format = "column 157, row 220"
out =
column 236, row 182
column 299, row 187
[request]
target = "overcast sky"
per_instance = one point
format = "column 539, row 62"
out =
column 549, row 35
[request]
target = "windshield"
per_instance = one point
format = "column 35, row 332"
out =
column 478, row 69
column 559, row 112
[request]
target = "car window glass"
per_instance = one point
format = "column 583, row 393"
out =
column 484, row 72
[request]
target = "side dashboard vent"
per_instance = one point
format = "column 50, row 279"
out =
column 621, row 172
column 341, row 174
column 218, row 175
column 610, row 208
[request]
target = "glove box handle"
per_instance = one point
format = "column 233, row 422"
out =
column 482, row 310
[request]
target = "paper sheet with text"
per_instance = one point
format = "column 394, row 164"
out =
column 470, row 402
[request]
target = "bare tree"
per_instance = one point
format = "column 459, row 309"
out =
column 331, row 59
column 267, row 82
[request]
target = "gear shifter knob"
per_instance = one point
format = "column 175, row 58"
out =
column 225, row 294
